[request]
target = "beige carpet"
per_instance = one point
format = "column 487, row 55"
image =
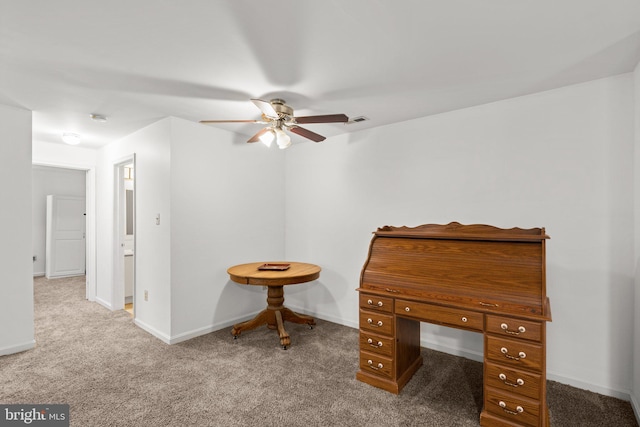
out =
column 112, row 373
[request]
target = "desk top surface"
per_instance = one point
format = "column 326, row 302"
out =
column 298, row 272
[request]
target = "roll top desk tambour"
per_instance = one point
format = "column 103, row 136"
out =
column 473, row 277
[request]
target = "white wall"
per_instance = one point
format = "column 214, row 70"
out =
column 16, row 279
column 50, row 180
column 560, row 159
column 227, row 208
column 221, row 202
column 152, row 258
column 63, row 155
column 635, row 395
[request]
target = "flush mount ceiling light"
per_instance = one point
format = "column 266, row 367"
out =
column 71, row 138
column 98, row 118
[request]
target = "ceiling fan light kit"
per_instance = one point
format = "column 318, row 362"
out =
column 267, row 137
column 283, row 140
column 280, row 117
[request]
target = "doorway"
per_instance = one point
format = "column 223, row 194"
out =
column 63, row 182
column 124, row 231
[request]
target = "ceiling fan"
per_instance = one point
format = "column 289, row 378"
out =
column 278, row 117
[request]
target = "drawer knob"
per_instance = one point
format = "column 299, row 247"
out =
column 464, row 319
column 505, row 328
column 370, row 363
column 379, row 304
column 377, row 345
column 377, row 324
column 407, row 309
column 503, row 405
column 505, row 351
column 519, row 382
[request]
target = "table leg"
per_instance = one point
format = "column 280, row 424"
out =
column 285, row 341
column 274, row 317
column 264, row 317
column 292, row 316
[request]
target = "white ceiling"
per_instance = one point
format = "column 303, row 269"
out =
column 137, row 61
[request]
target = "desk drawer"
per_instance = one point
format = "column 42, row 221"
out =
column 516, row 353
column 374, row 302
column 460, row 318
column 510, row 327
column 376, row 343
column 376, row 322
column 512, row 380
column 376, row 364
column 519, row 410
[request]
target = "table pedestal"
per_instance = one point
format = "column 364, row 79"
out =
column 274, row 317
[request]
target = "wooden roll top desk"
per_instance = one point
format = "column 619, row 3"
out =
column 473, row 277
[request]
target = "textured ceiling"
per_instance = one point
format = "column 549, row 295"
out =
column 391, row 61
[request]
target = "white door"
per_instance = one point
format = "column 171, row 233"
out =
column 65, row 240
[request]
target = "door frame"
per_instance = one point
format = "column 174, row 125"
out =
column 90, row 207
column 117, row 288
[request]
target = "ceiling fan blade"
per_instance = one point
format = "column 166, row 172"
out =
column 328, row 118
column 256, row 137
column 266, row 108
column 307, row 133
column 232, row 121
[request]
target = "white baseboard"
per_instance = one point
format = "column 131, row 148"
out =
column 227, row 323
column 38, row 274
column 63, row 276
column 104, row 303
column 175, row 339
column 153, row 331
column 460, row 352
column 607, row 391
column 636, row 407
column 17, row 348
column 328, row 318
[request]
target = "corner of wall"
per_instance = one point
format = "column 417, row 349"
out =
column 16, row 291
column 635, row 386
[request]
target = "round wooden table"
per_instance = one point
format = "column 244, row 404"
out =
column 274, row 275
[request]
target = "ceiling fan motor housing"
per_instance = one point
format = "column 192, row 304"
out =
column 281, row 107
